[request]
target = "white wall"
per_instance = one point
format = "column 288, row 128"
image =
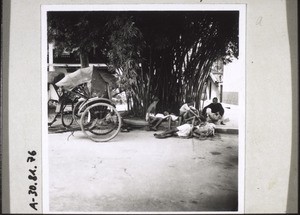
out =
column 232, row 77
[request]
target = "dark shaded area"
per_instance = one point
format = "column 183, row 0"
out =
column 292, row 19
column 167, row 54
column 201, row 203
column 215, row 153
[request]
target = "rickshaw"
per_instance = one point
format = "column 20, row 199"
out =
column 93, row 110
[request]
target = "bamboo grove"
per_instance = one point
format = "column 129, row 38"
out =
column 168, row 54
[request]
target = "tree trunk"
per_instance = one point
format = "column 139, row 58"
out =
column 84, row 60
column 128, row 105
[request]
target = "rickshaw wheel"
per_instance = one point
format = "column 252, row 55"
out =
column 51, row 111
column 100, row 122
column 75, row 113
column 66, row 115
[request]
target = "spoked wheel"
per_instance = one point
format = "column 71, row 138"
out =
column 77, row 112
column 51, row 111
column 66, row 115
column 100, row 122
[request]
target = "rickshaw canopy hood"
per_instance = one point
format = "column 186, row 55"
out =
column 88, row 75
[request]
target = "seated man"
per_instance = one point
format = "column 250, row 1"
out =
column 214, row 111
column 187, row 111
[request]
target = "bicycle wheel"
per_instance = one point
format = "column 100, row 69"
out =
column 75, row 113
column 100, row 122
column 66, row 115
column 52, row 104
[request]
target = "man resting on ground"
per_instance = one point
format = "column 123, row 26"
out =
column 183, row 131
column 203, row 130
column 155, row 121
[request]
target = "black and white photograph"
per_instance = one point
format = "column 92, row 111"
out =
column 145, row 108
column 153, row 107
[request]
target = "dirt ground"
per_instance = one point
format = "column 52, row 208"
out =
column 136, row 172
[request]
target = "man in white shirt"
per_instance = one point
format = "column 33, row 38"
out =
column 186, row 111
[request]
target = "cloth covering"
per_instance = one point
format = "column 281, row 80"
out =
column 97, row 79
column 184, row 130
column 80, row 76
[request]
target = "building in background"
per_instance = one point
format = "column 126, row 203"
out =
column 214, row 84
column 68, row 62
column 232, row 82
column 224, row 82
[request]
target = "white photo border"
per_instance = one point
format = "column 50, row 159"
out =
column 147, row 7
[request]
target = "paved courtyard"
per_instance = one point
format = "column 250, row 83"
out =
column 139, row 173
